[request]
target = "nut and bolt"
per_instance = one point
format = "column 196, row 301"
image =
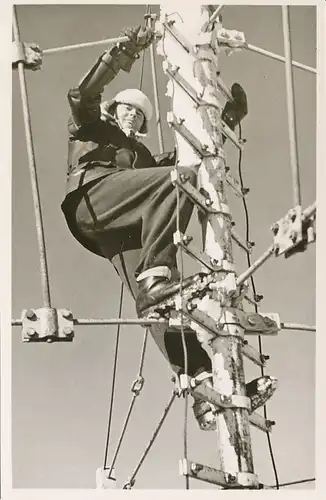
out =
column 30, row 333
column 191, row 306
column 245, row 191
column 187, row 239
column 195, row 468
column 66, row 314
column 30, row 314
column 67, row 331
column 275, row 228
column 251, row 320
column 230, row 478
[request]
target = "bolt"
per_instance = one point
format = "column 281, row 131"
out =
column 245, row 191
column 191, row 306
column 204, row 147
column 245, row 342
column 180, row 121
column 258, row 297
column 293, row 215
column 30, row 333
column 250, row 244
column 208, row 202
column 66, row 314
column 238, row 37
column 224, row 34
column 268, row 321
column 184, row 177
column 30, row 314
column 242, row 141
column 232, row 223
column 251, row 320
column 227, row 169
column 293, row 236
column 214, row 261
column 264, row 357
column 67, row 331
column 275, row 228
column 276, row 249
column 187, row 240
column 196, row 468
column 230, row 478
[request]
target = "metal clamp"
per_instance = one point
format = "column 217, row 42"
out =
column 287, row 231
column 28, row 53
column 47, row 325
column 252, row 323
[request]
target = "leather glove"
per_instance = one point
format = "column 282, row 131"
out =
column 139, row 39
column 235, row 111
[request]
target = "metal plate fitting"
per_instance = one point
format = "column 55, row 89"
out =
column 47, row 325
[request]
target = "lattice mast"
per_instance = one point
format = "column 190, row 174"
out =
column 191, row 46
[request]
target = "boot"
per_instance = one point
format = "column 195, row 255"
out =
column 155, row 289
column 235, row 111
column 259, row 390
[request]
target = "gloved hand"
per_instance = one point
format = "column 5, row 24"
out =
column 139, row 39
column 236, row 110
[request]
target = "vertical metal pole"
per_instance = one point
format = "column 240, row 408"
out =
column 156, row 98
column 205, row 123
column 291, row 106
column 33, row 173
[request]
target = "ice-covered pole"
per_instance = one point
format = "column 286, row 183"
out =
column 191, row 61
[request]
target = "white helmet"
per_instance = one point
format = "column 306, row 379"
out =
column 136, row 98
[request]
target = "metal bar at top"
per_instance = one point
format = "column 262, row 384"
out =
column 68, row 48
column 277, row 57
column 33, row 173
column 156, row 100
column 297, row 326
column 291, row 107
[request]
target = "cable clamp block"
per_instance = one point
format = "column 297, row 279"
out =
column 47, row 325
column 28, row 53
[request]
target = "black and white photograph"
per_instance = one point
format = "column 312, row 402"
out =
column 160, row 201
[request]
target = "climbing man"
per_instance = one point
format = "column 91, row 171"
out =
column 120, row 198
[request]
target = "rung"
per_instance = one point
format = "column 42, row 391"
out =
column 252, row 354
column 240, row 241
column 209, row 394
column 195, row 196
column 199, row 255
column 260, row 422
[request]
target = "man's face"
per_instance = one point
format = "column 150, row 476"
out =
column 129, row 117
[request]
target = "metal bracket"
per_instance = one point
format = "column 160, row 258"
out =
column 232, row 39
column 47, row 325
column 104, row 480
column 258, row 324
column 238, row 480
column 204, row 203
column 28, row 53
column 287, row 231
column 185, row 242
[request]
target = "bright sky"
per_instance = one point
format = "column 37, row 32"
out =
column 60, row 392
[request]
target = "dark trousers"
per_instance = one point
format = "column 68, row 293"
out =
column 135, row 209
column 132, row 210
